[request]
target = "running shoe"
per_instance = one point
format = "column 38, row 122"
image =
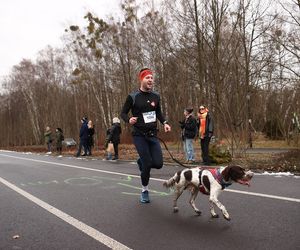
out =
column 145, row 197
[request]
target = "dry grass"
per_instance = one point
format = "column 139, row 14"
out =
column 289, row 161
column 280, row 162
column 260, row 141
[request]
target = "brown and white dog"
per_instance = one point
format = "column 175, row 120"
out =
column 210, row 181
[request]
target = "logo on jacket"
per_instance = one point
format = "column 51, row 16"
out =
column 153, row 104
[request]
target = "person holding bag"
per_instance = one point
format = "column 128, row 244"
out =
column 113, row 137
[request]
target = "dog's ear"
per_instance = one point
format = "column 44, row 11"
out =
column 225, row 173
column 234, row 172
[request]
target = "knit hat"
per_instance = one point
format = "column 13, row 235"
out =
column 189, row 110
column 116, row 120
column 59, row 129
column 84, row 119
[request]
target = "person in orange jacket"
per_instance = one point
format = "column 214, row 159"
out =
column 205, row 129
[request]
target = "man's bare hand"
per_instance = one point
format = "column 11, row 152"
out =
column 132, row 120
column 167, row 128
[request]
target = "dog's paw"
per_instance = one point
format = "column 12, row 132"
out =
column 198, row 212
column 227, row 217
column 214, row 216
column 175, row 210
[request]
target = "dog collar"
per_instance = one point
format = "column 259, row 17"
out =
column 218, row 176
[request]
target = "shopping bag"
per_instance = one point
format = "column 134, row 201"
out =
column 110, row 148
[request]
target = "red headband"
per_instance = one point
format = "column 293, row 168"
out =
column 145, row 73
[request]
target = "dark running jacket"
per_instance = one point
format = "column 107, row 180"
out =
column 146, row 107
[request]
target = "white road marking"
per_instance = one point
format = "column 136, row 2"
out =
column 102, row 238
column 156, row 179
column 264, row 195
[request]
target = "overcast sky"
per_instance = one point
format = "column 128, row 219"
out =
column 28, row 26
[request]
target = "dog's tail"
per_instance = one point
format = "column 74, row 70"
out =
column 171, row 182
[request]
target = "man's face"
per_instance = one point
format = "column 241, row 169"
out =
column 147, row 83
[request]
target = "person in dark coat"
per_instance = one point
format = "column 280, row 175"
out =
column 108, row 149
column 114, row 136
column 59, row 138
column 189, row 132
column 83, row 135
column 91, row 132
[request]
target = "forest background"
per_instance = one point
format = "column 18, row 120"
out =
column 240, row 58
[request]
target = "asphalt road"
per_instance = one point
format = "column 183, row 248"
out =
column 69, row 203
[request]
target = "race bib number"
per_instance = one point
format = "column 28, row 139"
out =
column 149, row 117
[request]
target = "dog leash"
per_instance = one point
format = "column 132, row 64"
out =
column 151, row 134
column 172, row 157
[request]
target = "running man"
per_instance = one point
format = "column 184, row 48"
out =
column 145, row 108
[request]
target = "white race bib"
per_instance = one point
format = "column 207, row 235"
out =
column 149, row 117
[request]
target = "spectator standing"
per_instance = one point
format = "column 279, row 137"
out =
column 91, row 132
column 145, row 108
column 83, row 137
column 114, row 136
column 59, row 139
column 206, row 129
column 48, row 139
column 189, row 132
column 108, row 150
